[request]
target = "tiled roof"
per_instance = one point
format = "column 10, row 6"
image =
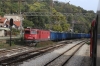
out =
column 2, row 19
column 17, row 23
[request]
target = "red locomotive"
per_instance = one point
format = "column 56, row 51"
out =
column 36, row 35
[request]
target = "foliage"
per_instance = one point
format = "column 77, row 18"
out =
column 27, row 23
column 56, row 21
column 57, row 28
column 15, row 31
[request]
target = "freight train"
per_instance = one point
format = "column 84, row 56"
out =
column 37, row 35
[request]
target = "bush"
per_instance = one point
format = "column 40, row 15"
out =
column 15, row 31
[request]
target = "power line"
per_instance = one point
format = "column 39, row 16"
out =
column 55, row 14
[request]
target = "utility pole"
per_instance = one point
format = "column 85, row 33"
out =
column 73, row 26
column 19, row 1
column 51, row 6
column 20, row 16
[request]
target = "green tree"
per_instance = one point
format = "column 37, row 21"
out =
column 27, row 23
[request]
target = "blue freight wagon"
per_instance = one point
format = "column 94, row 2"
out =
column 53, row 35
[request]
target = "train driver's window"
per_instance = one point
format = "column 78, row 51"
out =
column 33, row 32
column 27, row 32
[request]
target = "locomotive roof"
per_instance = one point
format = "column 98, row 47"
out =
column 30, row 29
column 34, row 29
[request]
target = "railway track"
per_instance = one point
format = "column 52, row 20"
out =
column 10, row 52
column 69, row 53
column 54, row 58
column 19, row 57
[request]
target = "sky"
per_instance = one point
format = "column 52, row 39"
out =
column 85, row 4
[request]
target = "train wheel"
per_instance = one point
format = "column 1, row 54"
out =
column 35, row 44
column 32, row 44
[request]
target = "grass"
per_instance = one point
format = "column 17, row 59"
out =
column 7, row 46
column 20, row 42
column 14, row 43
column 45, row 43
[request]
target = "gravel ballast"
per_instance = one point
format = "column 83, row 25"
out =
column 42, row 60
column 77, row 59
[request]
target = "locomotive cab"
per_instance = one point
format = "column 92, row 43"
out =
column 30, row 35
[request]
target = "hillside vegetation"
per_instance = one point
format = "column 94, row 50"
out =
column 76, row 16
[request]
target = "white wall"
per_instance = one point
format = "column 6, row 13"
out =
column 2, row 33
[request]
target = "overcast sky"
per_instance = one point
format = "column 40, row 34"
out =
column 85, row 4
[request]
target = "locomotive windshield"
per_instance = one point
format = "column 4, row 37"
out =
column 33, row 32
column 27, row 32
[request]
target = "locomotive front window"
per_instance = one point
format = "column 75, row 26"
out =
column 27, row 32
column 33, row 32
